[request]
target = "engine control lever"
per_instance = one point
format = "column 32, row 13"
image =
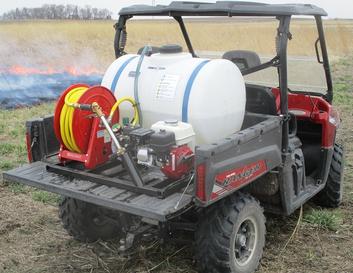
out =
column 126, row 158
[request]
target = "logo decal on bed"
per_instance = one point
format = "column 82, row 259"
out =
column 235, row 178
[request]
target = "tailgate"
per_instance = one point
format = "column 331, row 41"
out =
column 36, row 175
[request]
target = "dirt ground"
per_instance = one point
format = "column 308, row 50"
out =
column 33, row 240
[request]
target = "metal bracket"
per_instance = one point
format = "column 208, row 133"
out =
column 133, row 238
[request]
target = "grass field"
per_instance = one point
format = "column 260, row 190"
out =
column 90, row 43
column 31, row 236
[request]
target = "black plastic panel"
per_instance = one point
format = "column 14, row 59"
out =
column 42, row 137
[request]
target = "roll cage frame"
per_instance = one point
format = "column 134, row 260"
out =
column 279, row 61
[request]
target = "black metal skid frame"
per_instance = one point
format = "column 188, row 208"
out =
column 156, row 188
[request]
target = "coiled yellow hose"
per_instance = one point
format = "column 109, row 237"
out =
column 67, row 112
column 66, row 117
column 133, row 103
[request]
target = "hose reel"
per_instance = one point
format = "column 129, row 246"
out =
column 82, row 136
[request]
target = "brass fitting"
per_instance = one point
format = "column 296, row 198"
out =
column 74, row 105
column 120, row 151
column 97, row 109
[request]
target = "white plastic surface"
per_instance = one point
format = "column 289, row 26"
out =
column 216, row 105
column 184, row 133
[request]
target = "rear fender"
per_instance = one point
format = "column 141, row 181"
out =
column 230, row 164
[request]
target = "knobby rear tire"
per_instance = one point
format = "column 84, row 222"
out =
column 221, row 233
column 87, row 222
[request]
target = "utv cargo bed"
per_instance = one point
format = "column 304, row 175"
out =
column 159, row 199
column 36, row 175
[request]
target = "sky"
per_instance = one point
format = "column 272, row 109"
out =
column 335, row 8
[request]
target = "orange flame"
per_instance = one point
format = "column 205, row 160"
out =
column 76, row 71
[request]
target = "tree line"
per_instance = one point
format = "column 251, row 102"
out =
column 58, row 12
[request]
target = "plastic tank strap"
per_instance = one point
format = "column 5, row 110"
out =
column 188, row 90
column 119, row 72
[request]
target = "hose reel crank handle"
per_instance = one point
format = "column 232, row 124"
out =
column 127, row 161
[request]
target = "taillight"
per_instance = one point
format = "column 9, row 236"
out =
column 29, row 147
column 334, row 117
column 200, row 183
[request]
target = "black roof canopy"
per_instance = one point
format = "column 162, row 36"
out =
column 223, row 8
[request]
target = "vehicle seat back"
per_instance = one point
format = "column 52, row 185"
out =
column 244, row 59
column 260, row 100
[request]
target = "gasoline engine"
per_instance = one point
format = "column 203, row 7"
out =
column 175, row 103
column 161, row 147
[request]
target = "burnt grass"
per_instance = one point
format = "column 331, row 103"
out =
column 33, row 240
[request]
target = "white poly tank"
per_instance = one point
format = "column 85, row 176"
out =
column 208, row 94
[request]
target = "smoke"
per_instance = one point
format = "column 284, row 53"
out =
column 24, row 90
column 37, row 70
column 47, row 50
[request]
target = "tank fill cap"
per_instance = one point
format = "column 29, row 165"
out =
column 171, row 122
column 170, row 49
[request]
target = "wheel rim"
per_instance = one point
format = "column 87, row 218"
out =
column 245, row 241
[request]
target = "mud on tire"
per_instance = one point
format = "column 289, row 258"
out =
column 87, row 222
column 231, row 236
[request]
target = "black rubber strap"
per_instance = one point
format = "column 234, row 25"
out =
column 274, row 62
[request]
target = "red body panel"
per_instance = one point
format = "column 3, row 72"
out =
column 314, row 109
column 236, row 178
column 29, row 147
column 201, row 182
